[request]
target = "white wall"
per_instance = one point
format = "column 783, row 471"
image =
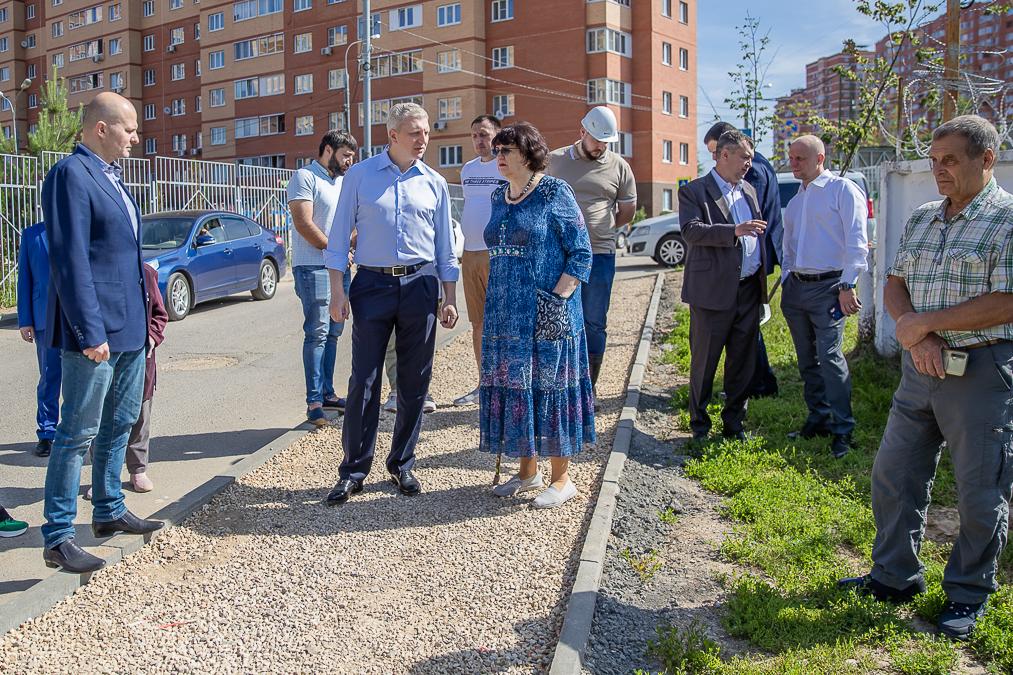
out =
column 905, row 186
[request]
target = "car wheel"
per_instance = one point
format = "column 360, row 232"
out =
column 621, row 241
column 267, row 281
column 179, row 297
column 671, row 251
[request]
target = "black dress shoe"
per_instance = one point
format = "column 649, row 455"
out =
column 811, row 430
column 128, row 523
column 406, row 482
column 840, row 446
column 868, row 586
column 43, row 448
column 345, row 488
column 335, row 404
column 72, row 558
column 734, row 435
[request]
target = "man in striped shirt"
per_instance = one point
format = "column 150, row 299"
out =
column 950, row 288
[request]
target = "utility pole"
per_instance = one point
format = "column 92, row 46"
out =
column 951, row 61
column 367, row 93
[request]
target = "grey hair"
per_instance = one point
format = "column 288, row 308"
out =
column 401, row 112
column 732, row 137
column 978, row 131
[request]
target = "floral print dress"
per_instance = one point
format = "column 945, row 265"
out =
column 535, row 389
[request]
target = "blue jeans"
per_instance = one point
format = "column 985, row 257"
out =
column 595, row 296
column 101, row 401
column 320, row 342
column 47, row 394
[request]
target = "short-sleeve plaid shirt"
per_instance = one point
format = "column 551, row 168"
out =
column 947, row 263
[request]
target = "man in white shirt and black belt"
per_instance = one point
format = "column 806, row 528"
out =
column 825, row 249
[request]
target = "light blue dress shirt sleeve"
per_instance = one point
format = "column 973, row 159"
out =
column 446, row 263
column 338, row 242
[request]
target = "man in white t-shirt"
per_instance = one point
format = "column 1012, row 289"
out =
column 479, row 178
column 313, row 199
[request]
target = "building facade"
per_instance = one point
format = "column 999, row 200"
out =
column 259, row 81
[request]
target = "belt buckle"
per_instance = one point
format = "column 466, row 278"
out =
column 399, row 271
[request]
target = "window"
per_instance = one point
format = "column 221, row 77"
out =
column 251, row 9
column 303, row 43
column 57, row 29
column 666, row 8
column 196, row 67
column 178, row 71
column 666, row 102
column 150, row 146
column 684, row 12
column 197, row 104
column 5, row 75
column 3, row 14
column 400, row 63
column 666, row 200
column 30, row 71
column 624, row 146
column 265, row 125
column 449, row 108
column 175, row 4
column 115, row 46
column 149, row 77
column 301, row 5
column 602, row 90
column 216, row 60
column 684, row 153
column 304, row 84
column 666, row 152
column 609, row 40
column 178, row 107
column 502, row 10
column 451, row 155
column 58, row 60
column 216, row 21
column 149, row 43
column 337, row 35
column 272, row 85
column 149, row 111
column 268, row 85
column 177, row 36
column 116, row 81
column 86, row 50
column 360, row 26
column 684, row 106
column 666, row 54
column 85, row 82
column 30, row 11
column 33, row 100
column 247, row 88
column 149, row 7
column 380, row 110
column 4, row 44
column 179, row 143
column 336, row 78
column 683, row 58
column 266, row 44
column 448, row 15
column 406, row 17
column 216, row 97
column 503, row 105
column 336, row 120
column 448, row 61
column 502, row 57
column 115, row 12
column 198, row 140
column 196, row 31
column 217, row 135
column 30, row 39
column 304, row 125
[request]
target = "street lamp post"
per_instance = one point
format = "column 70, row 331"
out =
column 348, row 113
column 14, row 113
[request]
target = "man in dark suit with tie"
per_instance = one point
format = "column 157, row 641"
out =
column 33, row 289
column 96, row 316
column 724, row 282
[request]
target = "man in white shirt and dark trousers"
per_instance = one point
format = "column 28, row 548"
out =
column 825, row 249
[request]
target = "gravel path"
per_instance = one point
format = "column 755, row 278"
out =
column 268, row 578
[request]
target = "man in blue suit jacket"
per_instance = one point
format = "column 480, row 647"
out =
column 96, row 317
column 33, row 288
column 763, row 178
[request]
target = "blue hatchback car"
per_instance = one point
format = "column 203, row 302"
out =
column 202, row 255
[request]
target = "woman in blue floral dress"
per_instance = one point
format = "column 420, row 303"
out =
column 535, row 394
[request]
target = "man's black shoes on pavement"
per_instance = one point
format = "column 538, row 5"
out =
column 868, row 586
column 44, row 447
column 345, row 488
column 406, row 482
column 959, row 619
column 72, row 558
column 127, row 523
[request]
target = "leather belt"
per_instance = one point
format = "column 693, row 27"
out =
column 396, row 270
column 979, row 345
column 822, row 276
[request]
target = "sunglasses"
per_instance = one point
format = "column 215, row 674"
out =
column 498, row 150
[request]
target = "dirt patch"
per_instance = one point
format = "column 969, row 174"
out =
column 193, row 362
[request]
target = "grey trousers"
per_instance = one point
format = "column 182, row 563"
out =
column 973, row 415
column 137, row 444
column 818, row 342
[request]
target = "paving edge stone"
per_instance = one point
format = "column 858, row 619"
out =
column 43, row 596
column 576, row 629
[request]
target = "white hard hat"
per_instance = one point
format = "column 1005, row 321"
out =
column 601, row 123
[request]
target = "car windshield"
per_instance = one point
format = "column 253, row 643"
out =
column 165, row 233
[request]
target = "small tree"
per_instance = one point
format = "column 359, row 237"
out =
column 58, row 126
column 749, row 78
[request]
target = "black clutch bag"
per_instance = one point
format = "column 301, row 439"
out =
column 552, row 318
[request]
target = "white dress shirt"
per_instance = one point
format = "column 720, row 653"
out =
column 825, row 228
column 735, row 198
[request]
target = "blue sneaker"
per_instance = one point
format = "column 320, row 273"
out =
column 316, row 416
column 958, row 619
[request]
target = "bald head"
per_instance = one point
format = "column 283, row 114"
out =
column 806, row 156
column 107, row 107
column 109, row 126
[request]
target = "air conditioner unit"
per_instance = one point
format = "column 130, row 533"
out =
column 327, row 51
column 97, row 58
column 439, row 125
column 24, row 44
column 194, row 151
column 171, row 48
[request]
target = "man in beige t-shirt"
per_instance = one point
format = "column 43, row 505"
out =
column 606, row 191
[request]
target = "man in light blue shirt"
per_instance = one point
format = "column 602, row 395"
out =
column 400, row 210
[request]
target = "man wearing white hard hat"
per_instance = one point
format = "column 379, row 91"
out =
column 606, row 191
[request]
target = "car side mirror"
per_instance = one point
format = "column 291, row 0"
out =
column 204, row 240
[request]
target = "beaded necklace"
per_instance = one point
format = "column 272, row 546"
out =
column 511, row 198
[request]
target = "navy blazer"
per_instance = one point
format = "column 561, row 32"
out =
column 97, row 292
column 33, row 278
column 768, row 193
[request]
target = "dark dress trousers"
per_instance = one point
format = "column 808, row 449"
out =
column 724, row 310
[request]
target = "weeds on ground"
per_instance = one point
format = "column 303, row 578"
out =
column 687, row 651
column 668, row 516
column 646, row 565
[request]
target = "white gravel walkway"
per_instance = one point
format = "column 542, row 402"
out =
column 267, row 578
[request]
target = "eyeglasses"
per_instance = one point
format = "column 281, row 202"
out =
column 504, row 150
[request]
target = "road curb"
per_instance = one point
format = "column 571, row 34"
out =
column 576, row 630
column 46, row 594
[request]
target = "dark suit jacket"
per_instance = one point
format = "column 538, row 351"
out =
column 97, row 292
column 714, row 258
column 763, row 178
column 33, row 277
column 157, row 320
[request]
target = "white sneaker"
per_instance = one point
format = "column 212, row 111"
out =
column 516, row 485
column 429, row 405
column 391, row 404
column 551, row 497
column 471, row 398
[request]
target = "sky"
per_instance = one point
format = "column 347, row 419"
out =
column 800, row 32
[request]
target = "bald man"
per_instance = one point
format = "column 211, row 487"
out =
column 824, row 252
column 96, row 317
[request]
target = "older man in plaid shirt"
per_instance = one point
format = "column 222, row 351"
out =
column 950, row 288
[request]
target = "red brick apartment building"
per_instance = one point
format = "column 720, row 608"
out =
column 258, row 81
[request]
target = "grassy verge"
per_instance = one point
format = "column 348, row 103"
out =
column 803, row 520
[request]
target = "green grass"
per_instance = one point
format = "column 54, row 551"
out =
column 803, row 520
column 646, row 565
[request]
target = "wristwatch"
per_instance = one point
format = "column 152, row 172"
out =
column 845, row 286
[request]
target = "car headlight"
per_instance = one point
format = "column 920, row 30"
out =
column 154, row 263
column 642, row 230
